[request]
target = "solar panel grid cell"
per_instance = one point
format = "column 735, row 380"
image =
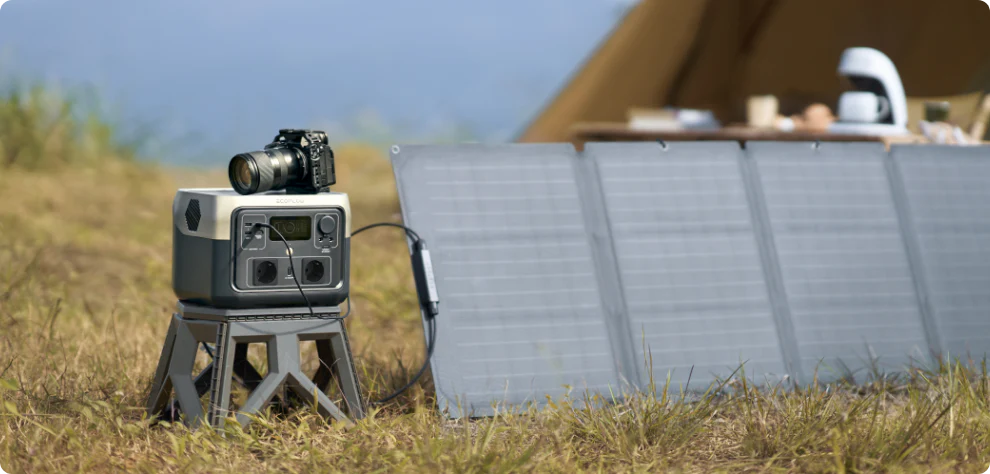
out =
column 947, row 198
column 842, row 259
column 522, row 315
column 691, row 271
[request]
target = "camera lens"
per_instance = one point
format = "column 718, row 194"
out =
column 260, row 171
column 243, row 174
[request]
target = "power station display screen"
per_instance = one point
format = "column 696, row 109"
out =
column 292, row 227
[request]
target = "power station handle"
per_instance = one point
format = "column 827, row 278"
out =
column 426, row 286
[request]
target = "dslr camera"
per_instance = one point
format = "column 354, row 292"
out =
column 299, row 161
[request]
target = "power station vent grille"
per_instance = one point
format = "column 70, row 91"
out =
column 193, row 215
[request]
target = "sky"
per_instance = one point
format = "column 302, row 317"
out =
column 206, row 79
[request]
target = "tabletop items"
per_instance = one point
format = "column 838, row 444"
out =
column 874, row 108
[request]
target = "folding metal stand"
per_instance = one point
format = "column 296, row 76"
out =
column 232, row 330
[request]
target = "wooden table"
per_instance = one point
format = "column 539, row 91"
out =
column 618, row 131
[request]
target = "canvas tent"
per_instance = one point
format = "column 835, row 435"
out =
column 713, row 54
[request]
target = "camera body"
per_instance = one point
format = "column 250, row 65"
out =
column 221, row 258
column 313, row 148
column 298, row 161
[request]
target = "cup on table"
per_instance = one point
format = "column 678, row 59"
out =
column 761, row 111
column 863, row 107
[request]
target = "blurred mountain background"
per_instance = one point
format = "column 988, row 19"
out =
column 190, row 82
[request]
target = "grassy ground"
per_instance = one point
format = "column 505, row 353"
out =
column 85, row 297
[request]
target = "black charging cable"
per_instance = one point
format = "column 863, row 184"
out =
column 429, row 300
column 409, row 232
column 292, row 268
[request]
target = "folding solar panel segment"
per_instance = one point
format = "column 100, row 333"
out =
column 947, row 191
column 843, row 260
column 521, row 312
column 688, row 259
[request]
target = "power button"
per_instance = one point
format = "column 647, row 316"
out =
column 328, row 224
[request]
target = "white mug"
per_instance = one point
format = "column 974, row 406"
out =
column 863, row 107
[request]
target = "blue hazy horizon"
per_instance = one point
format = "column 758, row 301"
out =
column 206, row 78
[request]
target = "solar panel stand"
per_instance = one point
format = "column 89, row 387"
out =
column 281, row 329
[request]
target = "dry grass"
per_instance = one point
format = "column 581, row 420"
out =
column 85, row 297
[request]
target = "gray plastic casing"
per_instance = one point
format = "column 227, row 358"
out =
column 208, row 259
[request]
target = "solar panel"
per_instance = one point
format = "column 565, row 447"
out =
column 947, row 201
column 522, row 316
column 688, row 259
column 842, row 258
column 562, row 271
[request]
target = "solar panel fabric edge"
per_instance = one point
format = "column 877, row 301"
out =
column 690, row 264
column 521, row 312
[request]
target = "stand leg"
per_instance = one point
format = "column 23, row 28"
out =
column 308, row 391
column 272, row 382
column 260, row 397
column 223, row 368
column 343, row 365
column 161, row 386
column 180, row 373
